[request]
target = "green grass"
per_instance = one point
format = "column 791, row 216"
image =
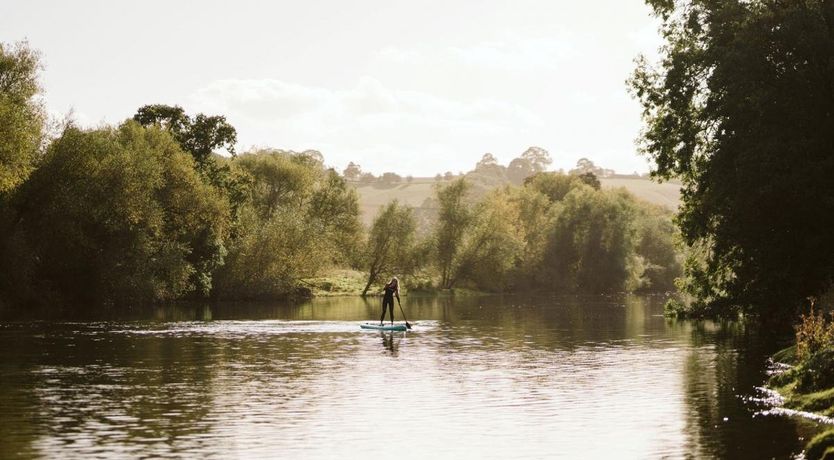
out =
column 666, row 194
column 818, row 402
column 414, row 194
column 337, row 283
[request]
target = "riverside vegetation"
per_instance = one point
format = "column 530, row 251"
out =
column 147, row 211
column 739, row 109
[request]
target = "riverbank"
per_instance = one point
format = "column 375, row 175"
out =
column 345, row 282
column 806, row 385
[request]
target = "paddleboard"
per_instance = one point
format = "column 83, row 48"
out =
column 384, row 327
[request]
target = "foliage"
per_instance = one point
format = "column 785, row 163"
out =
column 454, row 220
column 554, row 234
column 492, row 246
column 199, row 135
column 536, row 214
column 352, row 171
column 532, row 161
column 591, row 180
column 591, row 245
column 297, row 219
column 553, row 185
column 656, row 248
column 21, row 114
column 120, row 217
column 389, row 178
column 813, row 334
column 391, row 243
column 270, row 256
column 739, row 109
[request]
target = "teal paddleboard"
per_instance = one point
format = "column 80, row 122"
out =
column 385, row 327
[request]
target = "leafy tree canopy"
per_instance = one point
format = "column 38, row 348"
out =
column 21, row 115
column 120, row 217
column 740, row 109
column 199, row 135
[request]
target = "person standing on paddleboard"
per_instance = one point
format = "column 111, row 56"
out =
column 391, row 290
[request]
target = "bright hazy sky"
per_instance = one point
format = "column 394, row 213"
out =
column 411, row 87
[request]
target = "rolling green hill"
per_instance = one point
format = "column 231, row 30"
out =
column 373, row 196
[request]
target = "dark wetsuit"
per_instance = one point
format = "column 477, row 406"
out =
column 388, row 301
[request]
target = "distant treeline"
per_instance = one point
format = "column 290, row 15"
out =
column 515, row 172
column 147, row 212
column 556, row 233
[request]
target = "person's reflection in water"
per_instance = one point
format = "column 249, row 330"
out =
column 390, row 343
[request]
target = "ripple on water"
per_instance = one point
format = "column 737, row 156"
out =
column 519, row 385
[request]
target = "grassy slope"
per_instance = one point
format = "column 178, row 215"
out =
column 372, row 197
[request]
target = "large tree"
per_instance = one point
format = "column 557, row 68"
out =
column 21, row 114
column 199, row 135
column 533, row 160
column 740, row 108
column 390, row 242
column 297, row 218
column 118, row 216
column 455, row 219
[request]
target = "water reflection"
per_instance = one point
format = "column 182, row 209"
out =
column 390, row 342
column 491, row 377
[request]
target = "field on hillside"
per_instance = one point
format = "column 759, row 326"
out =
column 666, row 194
column 374, row 196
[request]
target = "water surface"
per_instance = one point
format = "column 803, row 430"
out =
column 477, row 377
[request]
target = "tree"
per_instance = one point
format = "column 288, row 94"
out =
column 739, row 109
column 199, row 135
column 591, row 245
column 590, row 179
column 21, row 114
column 390, row 242
column 297, row 219
column 120, row 217
column 488, row 160
column 352, row 171
column 536, row 213
column 367, row 178
column 533, row 160
column 553, row 185
column 656, row 248
column 333, row 208
column 492, row 246
column 454, row 220
column 389, row 178
column 278, row 181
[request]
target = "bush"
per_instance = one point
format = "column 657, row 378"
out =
column 817, row 372
column 813, row 334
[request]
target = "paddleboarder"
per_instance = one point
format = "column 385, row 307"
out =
column 391, row 290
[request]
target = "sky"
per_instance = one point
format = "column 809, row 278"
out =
column 415, row 88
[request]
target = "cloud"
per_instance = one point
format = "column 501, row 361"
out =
column 510, row 52
column 366, row 123
column 518, row 53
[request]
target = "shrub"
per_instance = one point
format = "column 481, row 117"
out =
column 813, row 334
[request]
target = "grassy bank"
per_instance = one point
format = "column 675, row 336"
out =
column 808, row 386
column 345, row 282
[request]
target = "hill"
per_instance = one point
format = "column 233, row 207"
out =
column 373, row 196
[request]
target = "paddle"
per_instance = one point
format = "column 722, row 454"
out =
column 407, row 326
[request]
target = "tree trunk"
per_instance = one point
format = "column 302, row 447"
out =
column 371, row 277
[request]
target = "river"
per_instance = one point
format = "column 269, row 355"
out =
column 477, row 377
